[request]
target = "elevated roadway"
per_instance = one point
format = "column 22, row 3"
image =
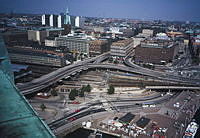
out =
column 160, row 75
column 65, row 72
column 171, row 88
column 49, row 79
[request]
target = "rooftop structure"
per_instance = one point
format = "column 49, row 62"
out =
column 122, row 43
column 162, row 36
column 122, row 48
column 127, row 118
column 146, row 33
column 37, row 35
column 17, row 118
column 157, row 43
column 19, row 55
column 99, row 47
column 76, row 44
column 156, row 51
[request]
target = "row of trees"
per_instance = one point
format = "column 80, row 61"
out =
column 81, row 93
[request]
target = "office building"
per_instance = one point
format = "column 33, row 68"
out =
column 67, row 29
column 72, row 19
column 75, row 44
column 37, row 35
column 196, row 49
column 40, row 34
column 54, row 32
column 147, row 32
column 98, row 29
column 15, row 37
column 28, row 56
column 50, row 41
column 45, row 20
column 156, row 51
column 79, row 21
column 53, row 20
column 98, row 47
column 137, row 40
column 60, row 21
column 121, row 48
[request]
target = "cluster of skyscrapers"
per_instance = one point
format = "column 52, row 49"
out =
column 62, row 19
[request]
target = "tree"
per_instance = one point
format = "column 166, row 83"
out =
column 73, row 94
column 83, row 88
column 88, row 88
column 81, row 93
column 111, row 90
column 54, row 92
column 116, row 61
column 43, row 107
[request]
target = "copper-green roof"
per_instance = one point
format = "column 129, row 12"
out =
column 17, row 117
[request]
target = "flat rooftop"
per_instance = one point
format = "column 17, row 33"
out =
column 30, row 52
column 127, row 118
column 98, row 42
column 155, row 43
column 122, row 43
column 142, row 122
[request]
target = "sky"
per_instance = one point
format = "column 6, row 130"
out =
column 178, row 10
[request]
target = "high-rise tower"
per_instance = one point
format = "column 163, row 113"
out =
column 45, row 20
column 67, row 19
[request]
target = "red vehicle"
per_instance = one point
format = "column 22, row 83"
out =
column 78, row 110
column 75, row 102
column 72, row 119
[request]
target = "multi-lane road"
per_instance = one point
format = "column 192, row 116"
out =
column 51, row 78
column 65, row 72
column 92, row 109
column 119, row 104
column 161, row 75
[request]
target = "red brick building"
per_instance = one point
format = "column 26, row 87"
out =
column 156, row 51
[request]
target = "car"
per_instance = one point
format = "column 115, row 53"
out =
column 72, row 119
column 153, row 105
column 78, row 110
column 75, row 102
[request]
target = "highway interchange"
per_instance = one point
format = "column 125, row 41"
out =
column 65, row 72
column 92, row 108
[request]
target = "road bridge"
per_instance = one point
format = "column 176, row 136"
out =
column 53, row 77
column 143, row 72
column 171, row 88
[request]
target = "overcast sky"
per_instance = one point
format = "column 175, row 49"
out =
column 182, row 10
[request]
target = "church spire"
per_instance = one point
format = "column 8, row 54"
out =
column 67, row 10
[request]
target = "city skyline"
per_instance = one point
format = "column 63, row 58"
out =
column 172, row 10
